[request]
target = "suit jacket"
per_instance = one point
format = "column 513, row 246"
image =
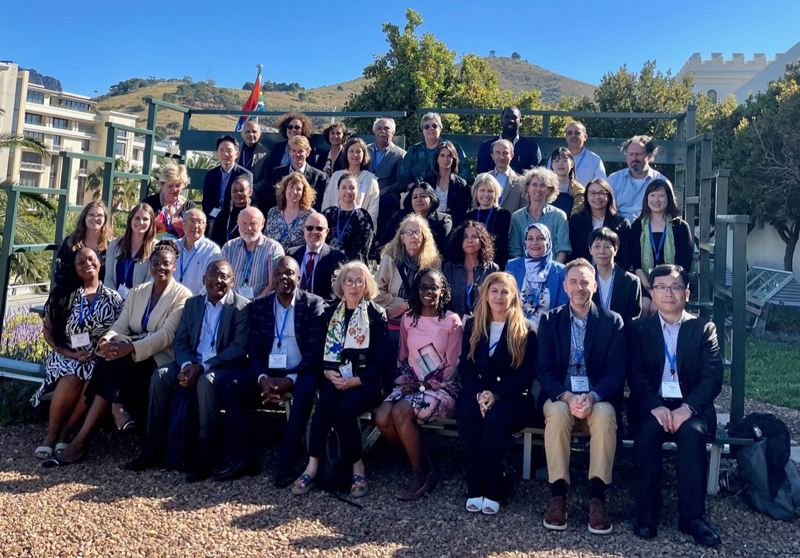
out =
column 265, row 198
column 328, row 261
column 581, row 225
column 526, row 155
column 275, row 158
column 257, row 165
column 141, row 270
column 231, row 340
column 512, row 198
column 164, row 319
column 386, row 173
column 605, row 353
column 698, row 360
column 495, row 373
column 309, row 325
column 456, row 275
column 322, row 158
column 212, row 191
column 626, row 295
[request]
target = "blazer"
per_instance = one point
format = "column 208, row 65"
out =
column 495, row 373
column 555, row 280
column 141, row 270
column 605, row 353
column 322, row 158
column 499, row 225
column 257, row 165
column 310, row 330
column 526, row 155
column 581, row 226
column 512, row 198
column 212, row 191
column 162, row 325
column 328, row 261
column 684, row 245
column 626, row 295
column 459, row 198
column 698, row 359
column 231, row 340
column 386, row 172
column 266, row 197
column 371, row 370
column 456, row 275
column 275, row 158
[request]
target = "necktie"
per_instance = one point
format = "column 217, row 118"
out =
column 309, row 272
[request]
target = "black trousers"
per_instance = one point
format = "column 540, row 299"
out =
column 123, row 381
column 692, row 464
column 340, row 410
column 485, row 442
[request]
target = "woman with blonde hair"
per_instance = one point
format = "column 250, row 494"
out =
column 93, row 230
column 497, row 373
column 295, row 203
column 170, row 204
column 486, row 195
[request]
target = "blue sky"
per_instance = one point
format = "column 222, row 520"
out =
column 321, row 43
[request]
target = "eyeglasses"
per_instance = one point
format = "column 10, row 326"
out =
column 294, row 127
column 431, row 288
column 312, row 228
column 219, row 277
column 415, row 234
column 355, row 282
column 674, row 289
column 597, row 194
column 435, row 126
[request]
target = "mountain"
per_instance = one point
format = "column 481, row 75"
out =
column 518, row 75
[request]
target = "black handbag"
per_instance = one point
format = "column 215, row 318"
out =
column 335, row 474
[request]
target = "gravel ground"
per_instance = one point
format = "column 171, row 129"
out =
column 790, row 417
column 96, row 509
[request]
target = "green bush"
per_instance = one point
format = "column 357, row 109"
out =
column 783, row 319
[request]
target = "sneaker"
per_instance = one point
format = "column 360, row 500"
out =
column 599, row 523
column 556, row 516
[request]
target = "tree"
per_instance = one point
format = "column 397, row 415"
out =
column 125, row 192
column 491, row 54
column 515, row 56
column 248, row 86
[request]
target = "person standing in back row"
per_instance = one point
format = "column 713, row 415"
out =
column 629, row 184
column 526, row 151
column 588, row 164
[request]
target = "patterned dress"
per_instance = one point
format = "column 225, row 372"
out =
column 288, row 235
column 350, row 231
column 103, row 315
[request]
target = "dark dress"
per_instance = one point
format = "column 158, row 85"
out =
column 498, row 222
column 350, row 231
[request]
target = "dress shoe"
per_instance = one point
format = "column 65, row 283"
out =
column 202, row 468
column 701, row 531
column 148, row 458
column 599, row 523
column 238, row 471
column 556, row 516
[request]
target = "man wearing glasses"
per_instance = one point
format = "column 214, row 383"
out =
column 317, row 260
column 675, row 375
column 197, row 252
column 218, row 181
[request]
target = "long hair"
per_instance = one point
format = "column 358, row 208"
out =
column 611, row 207
column 448, row 145
column 415, row 302
column 125, row 247
column 306, row 200
column 516, row 326
column 59, row 303
column 428, row 255
column 672, row 204
column 486, row 251
column 564, row 153
column 78, row 236
column 365, row 159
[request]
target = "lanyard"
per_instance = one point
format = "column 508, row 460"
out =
column 228, row 230
column 246, row 162
column 578, row 164
column 607, row 301
column 147, row 312
column 189, row 263
column 216, row 327
column 672, row 359
column 493, row 345
column 283, row 326
column 486, row 222
column 287, row 228
column 249, row 257
column 657, row 251
column 129, row 262
column 81, row 316
column 168, row 218
column 578, row 352
column 339, row 231
column 469, row 296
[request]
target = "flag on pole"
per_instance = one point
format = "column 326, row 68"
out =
column 254, row 102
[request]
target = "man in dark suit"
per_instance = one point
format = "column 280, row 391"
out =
column 526, row 151
column 617, row 289
column 675, row 375
column 211, row 341
column 581, row 366
column 287, row 335
column 316, row 259
column 299, row 150
column 254, row 156
column 385, row 158
column 218, row 181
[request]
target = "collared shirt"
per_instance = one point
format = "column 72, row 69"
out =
column 289, row 345
column 301, row 170
column 211, row 317
column 577, row 366
column 379, row 155
column 192, row 264
column 265, row 254
column 287, row 160
column 629, row 191
column 304, row 263
column 670, row 332
column 226, row 176
column 502, row 178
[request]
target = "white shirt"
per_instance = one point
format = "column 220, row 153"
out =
column 442, row 195
column 192, row 264
column 598, row 223
column 588, row 166
column 495, row 331
column 301, row 170
column 289, row 345
column 367, row 196
column 670, row 332
column 629, row 191
column 603, row 285
column 208, row 329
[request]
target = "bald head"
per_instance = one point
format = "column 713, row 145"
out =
column 251, row 133
column 251, row 222
column 318, row 225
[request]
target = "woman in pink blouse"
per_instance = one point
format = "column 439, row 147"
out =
column 430, row 341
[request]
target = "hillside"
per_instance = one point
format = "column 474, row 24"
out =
column 519, row 75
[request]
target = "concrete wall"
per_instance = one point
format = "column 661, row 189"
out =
column 765, row 248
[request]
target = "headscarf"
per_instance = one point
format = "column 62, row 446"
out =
column 538, row 269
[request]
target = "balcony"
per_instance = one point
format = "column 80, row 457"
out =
column 83, row 172
column 35, row 167
column 50, row 146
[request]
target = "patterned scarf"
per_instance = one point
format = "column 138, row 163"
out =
column 648, row 258
column 538, row 269
column 354, row 336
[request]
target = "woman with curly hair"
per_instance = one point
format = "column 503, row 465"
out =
column 289, row 125
column 93, row 230
column 430, row 346
column 295, row 200
column 471, row 260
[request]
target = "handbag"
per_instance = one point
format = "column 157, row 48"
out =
column 335, row 474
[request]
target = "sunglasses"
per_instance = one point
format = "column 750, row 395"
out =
column 312, row 228
column 294, row 127
column 429, row 126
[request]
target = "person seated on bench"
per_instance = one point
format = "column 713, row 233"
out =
column 472, row 252
column 295, row 198
column 675, row 375
column 352, row 226
column 128, row 257
column 287, row 334
column 317, row 260
column 210, row 342
column 617, row 289
column 170, row 205
column 226, row 226
column 581, row 365
column 353, row 374
column 79, row 310
column 486, row 196
column 94, row 229
column 497, row 369
column 430, row 346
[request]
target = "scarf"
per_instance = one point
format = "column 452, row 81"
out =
column 648, row 257
column 408, row 269
column 538, row 269
column 354, row 336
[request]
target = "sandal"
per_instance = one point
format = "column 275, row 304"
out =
column 490, row 507
column 303, row 484
column 61, row 446
column 43, row 452
column 474, row 505
column 129, row 426
column 359, row 487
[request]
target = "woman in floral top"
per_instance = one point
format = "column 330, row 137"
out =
column 295, row 203
column 170, row 205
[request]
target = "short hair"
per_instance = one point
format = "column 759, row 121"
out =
column 452, row 149
column 611, row 207
column 306, row 200
column 172, row 172
column 244, row 180
column 578, row 262
column 389, row 121
column 341, row 274
column 672, row 204
column 501, row 140
column 664, row 270
column 606, row 235
column 302, row 141
column 360, row 142
column 564, row 153
column 545, row 175
column 218, row 262
column 227, row 137
column 486, row 251
column 166, row 246
column 647, row 141
column 578, row 123
column 196, row 210
column 283, row 124
column 430, row 116
column 512, row 108
column 483, row 179
column 326, row 133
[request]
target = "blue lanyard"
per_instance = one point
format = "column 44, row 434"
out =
column 216, row 327
column 657, row 251
column 672, row 359
column 81, row 316
column 228, row 230
column 249, row 257
column 493, row 345
column 286, row 227
column 486, row 222
column 283, row 326
column 129, row 263
column 246, row 163
column 607, row 301
column 578, row 352
column 469, row 295
column 339, row 231
column 147, row 312
column 189, row 263
column 578, row 164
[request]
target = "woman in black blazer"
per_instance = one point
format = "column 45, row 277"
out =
column 625, row 296
column 600, row 210
column 472, row 260
column 422, row 200
column 497, row 371
column 449, row 187
column 354, row 382
column 486, row 194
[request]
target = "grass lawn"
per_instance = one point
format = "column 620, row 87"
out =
column 773, row 372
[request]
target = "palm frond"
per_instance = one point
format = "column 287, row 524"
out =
column 13, row 141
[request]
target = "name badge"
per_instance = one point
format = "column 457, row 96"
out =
column 80, row 340
column 208, row 355
column 346, row 370
column 214, row 212
column 671, row 390
column 246, row 292
column 277, row 361
column 580, row 384
column 123, row 291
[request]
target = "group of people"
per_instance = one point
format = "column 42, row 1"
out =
column 500, row 310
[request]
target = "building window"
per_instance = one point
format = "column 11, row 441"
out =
column 122, row 149
column 54, row 162
column 38, row 136
column 56, row 141
column 712, row 96
column 81, row 189
column 122, row 134
column 137, row 154
column 29, row 179
column 29, row 157
column 36, row 97
column 85, row 128
column 74, row 105
column 85, row 145
column 33, row 119
column 61, row 123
